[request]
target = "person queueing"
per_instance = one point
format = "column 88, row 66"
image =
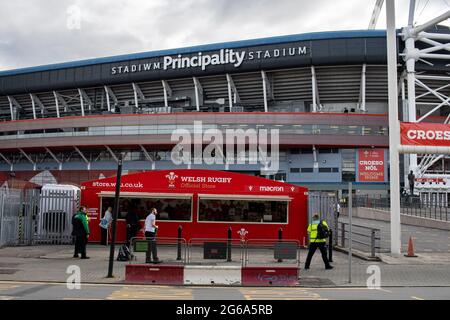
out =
column 315, row 241
column 150, row 233
column 81, row 233
column 133, row 227
column 411, row 180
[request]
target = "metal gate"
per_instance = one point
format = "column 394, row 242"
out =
column 30, row 217
column 324, row 204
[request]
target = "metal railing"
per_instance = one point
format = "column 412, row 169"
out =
column 364, row 238
column 412, row 206
column 235, row 251
column 177, row 252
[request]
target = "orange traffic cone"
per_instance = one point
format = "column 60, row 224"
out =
column 410, row 249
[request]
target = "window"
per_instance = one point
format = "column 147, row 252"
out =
column 295, row 170
column 170, row 209
column 328, row 150
column 242, row 210
column 328, row 170
column 306, row 170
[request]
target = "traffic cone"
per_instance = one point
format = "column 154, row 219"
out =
column 410, row 249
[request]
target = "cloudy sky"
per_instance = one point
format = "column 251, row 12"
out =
column 50, row 31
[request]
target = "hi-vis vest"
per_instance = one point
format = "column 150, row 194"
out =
column 312, row 230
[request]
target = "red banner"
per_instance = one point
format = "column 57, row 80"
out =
column 371, row 164
column 425, row 134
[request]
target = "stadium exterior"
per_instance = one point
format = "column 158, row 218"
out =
column 325, row 92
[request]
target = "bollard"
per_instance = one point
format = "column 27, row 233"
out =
column 343, row 235
column 229, row 245
column 330, row 246
column 280, row 237
column 372, row 244
column 180, row 229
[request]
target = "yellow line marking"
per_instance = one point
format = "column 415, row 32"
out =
column 417, row 298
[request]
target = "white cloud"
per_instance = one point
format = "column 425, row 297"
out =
column 35, row 32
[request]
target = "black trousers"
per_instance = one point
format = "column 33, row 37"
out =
column 131, row 233
column 411, row 189
column 312, row 249
column 152, row 250
column 80, row 245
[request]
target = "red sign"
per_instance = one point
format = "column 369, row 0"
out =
column 424, row 180
column 425, row 134
column 371, row 164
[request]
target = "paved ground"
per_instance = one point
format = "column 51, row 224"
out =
column 54, row 291
column 50, row 264
column 426, row 240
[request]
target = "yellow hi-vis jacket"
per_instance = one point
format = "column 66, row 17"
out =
column 312, row 230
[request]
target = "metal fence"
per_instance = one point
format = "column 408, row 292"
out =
column 29, row 217
column 364, row 239
column 325, row 204
column 413, row 206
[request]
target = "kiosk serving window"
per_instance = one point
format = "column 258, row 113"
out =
column 242, row 210
column 169, row 208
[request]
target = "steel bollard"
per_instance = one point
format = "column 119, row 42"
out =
column 330, row 246
column 372, row 244
column 343, row 235
column 229, row 245
column 180, row 229
column 280, row 238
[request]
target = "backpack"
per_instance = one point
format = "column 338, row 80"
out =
column 322, row 231
column 124, row 254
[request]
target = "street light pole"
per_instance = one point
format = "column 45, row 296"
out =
column 115, row 214
column 394, row 130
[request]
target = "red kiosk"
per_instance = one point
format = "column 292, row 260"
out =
column 204, row 202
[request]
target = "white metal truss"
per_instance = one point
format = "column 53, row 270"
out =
column 9, row 162
column 167, row 92
column 110, row 95
column 147, row 156
column 138, row 95
column 59, row 99
column 36, row 101
column 362, row 90
column 432, row 42
column 59, row 162
column 84, row 98
column 375, row 14
column 28, row 158
column 315, row 91
column 233, row 95
column 88, row 163
column 267, row 90
column 112, row 153
column 14, row 106
column 198, row 92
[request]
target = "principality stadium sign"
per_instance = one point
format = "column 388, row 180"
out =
column 203, row 60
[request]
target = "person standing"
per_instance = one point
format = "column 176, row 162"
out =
column 105, row 224
column 317, row 239
column 81, row 232
column 338, row 209
column 132, row 219
column 150, row 233
column 411, row 179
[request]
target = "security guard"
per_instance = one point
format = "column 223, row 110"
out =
column 315, row 242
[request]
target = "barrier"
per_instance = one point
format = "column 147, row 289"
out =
column 221, row 275
column 177, row 253
column 154, row 274
column 254, row 271
column 263, row 276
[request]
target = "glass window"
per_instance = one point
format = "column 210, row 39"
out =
column 168, row 209
column 306, row 170
column 242, row 210
column 295, row 170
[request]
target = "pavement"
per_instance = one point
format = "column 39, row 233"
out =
column 52, row 263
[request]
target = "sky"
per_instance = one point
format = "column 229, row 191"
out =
column 42, row 32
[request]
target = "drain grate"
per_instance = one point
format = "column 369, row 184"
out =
column 316, row 282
